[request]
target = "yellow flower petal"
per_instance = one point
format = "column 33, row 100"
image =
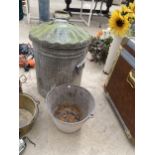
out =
column 119, row 24
column 132, row 6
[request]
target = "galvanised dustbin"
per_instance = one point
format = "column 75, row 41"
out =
column 59, row 49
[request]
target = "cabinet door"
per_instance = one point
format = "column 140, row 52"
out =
column 122, row 94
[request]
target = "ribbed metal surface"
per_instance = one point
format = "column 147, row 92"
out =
column 54, row 69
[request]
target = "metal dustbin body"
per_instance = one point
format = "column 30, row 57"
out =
column 60, row 49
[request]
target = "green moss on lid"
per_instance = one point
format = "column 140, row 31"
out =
column 59, row 33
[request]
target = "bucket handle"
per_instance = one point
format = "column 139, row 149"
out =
column 37, row 105
column 91, row 115
column 23, row 78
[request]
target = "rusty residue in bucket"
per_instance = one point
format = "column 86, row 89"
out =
column 68, row 113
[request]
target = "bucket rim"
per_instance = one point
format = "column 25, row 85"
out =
column 35, row 113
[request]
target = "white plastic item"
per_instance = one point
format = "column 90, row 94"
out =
column 113, row 54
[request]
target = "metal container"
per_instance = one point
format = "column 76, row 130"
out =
column 59, row 50
column 28, row 103
column 73, row 95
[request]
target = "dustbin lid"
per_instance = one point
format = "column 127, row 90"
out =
column 60, row 34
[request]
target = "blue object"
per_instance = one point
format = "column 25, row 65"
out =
column 44, row 10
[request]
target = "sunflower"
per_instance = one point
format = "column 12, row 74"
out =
column 130, row 17
column 132, row 7
column 125, row 10
column 119, row 24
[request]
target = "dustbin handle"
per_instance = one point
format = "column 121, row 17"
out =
column 80, row 66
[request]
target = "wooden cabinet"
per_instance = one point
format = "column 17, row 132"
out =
column 121, row 90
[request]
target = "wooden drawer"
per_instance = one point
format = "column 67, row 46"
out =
column 121, row 92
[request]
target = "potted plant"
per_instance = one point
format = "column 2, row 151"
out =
column 99, row 47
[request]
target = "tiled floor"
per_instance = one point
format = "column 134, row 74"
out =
column 101, row 135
